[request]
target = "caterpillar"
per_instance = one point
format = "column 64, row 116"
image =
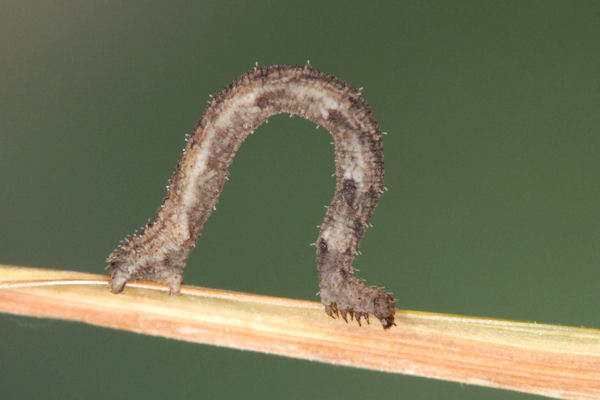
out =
column 160, row 250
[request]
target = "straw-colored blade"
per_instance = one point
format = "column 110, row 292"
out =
column 556, row 361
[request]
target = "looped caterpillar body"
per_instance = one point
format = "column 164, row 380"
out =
column 160, row 251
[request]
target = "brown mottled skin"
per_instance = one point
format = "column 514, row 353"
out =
column 160, row 251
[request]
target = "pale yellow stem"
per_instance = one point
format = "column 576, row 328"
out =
column 551, row 360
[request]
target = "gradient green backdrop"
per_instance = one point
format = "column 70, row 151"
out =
column 492, row 166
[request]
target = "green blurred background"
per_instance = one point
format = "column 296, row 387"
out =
column 491, row 163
